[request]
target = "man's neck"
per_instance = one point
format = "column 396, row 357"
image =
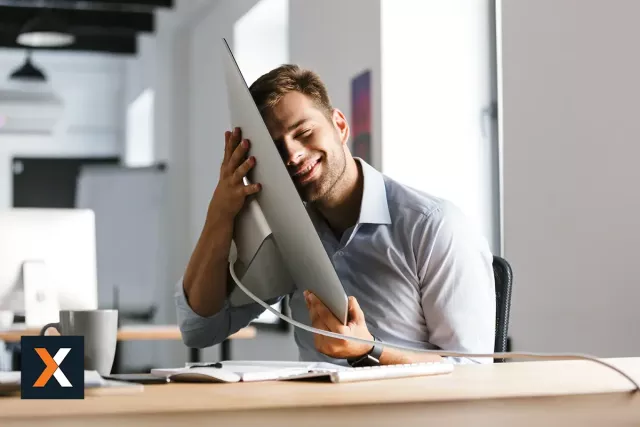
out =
column 341, row 208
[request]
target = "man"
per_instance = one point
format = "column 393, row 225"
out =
column 417, row 273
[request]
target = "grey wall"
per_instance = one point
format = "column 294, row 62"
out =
column 339, row 40
column 571, row 205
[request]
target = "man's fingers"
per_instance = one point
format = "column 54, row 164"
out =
column 227, row 147
column 325, row 314
column 251, row 189
column 317, row 321
column 239, row 155
column 236, row 139
column 355, row 312
column 243, row 169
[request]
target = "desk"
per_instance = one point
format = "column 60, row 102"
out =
column 143, row 332
column 523, row 394
column 130, row 333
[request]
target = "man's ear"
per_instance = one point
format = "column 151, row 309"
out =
column 341, row 125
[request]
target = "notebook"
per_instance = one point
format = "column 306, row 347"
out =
column 237, row 371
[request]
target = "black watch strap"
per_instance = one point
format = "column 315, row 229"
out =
column 371, row 358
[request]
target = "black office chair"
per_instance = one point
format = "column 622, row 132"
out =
column 504, row 279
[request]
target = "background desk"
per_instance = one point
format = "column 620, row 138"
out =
column 131, row 333
column 522, row 394
column 144, row 332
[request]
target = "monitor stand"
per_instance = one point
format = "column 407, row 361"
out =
column 259, row 263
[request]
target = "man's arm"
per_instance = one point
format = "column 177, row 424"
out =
column 392, row 356
column 206, row 277
column 201, row 298
column 457, row 285
column 204, row 331
column 323, row 318
column 206, row 280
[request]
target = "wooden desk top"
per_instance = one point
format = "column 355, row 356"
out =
column 130, row 333
column 565, row 390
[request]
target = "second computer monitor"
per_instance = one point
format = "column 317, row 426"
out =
column 56, row 248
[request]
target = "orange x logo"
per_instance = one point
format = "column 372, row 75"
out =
column 52, row 367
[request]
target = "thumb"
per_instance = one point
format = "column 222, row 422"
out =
column 355, row 312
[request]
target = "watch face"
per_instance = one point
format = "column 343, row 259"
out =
column 372, row 358
column 366, row 360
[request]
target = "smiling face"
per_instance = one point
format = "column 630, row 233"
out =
column 311, row 144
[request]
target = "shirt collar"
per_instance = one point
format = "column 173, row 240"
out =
column 374, row 208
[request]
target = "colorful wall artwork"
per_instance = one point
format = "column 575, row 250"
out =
column 361, row 116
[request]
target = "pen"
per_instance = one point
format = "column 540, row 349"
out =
column 207, row 365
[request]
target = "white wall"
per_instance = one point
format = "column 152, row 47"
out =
column 571, row 206
column 436, row 81
column 91, row 86
column 139, row 150
column 261, row 38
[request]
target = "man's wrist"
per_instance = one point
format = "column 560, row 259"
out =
column 370, row 358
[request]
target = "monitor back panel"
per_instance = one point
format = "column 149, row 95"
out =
column 293, row 231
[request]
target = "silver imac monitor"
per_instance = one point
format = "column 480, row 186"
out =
column 47, row 262
column 277, row 245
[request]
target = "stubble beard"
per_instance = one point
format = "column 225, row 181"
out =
column 326, row 185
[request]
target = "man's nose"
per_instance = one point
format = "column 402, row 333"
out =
column 293, row 151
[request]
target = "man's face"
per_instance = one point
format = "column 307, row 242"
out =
column 311, row 145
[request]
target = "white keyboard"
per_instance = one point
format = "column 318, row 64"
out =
column 374, row 372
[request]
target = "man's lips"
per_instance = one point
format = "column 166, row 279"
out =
column 306, row 168
column 306, row 172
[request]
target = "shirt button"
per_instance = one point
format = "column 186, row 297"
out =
column 339, row 253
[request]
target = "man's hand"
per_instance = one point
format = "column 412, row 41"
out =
column 230, row 193
column 323, row 318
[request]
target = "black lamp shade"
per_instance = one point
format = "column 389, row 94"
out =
column 28, row 72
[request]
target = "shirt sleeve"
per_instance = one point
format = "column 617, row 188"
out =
column 199, row 332
column 457, row 285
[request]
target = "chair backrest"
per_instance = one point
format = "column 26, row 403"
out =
column 504, row 280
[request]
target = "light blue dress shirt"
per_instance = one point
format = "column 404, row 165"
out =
column 420, row 271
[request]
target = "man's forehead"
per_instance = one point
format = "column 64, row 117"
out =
column 292, row 110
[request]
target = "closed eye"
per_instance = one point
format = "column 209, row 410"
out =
column 304, row 133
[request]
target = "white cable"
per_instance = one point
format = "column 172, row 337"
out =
column 509, row 355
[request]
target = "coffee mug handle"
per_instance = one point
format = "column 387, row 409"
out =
column 55, row 325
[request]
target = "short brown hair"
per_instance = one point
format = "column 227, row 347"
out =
column 269, row 89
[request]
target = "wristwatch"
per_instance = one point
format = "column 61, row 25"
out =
column 371, row 358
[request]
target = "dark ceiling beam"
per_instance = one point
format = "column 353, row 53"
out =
column 151, row 3
column 117, row 5
column 82, row 22
column 120, row 45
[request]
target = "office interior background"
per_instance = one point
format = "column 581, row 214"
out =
column 522, row 112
